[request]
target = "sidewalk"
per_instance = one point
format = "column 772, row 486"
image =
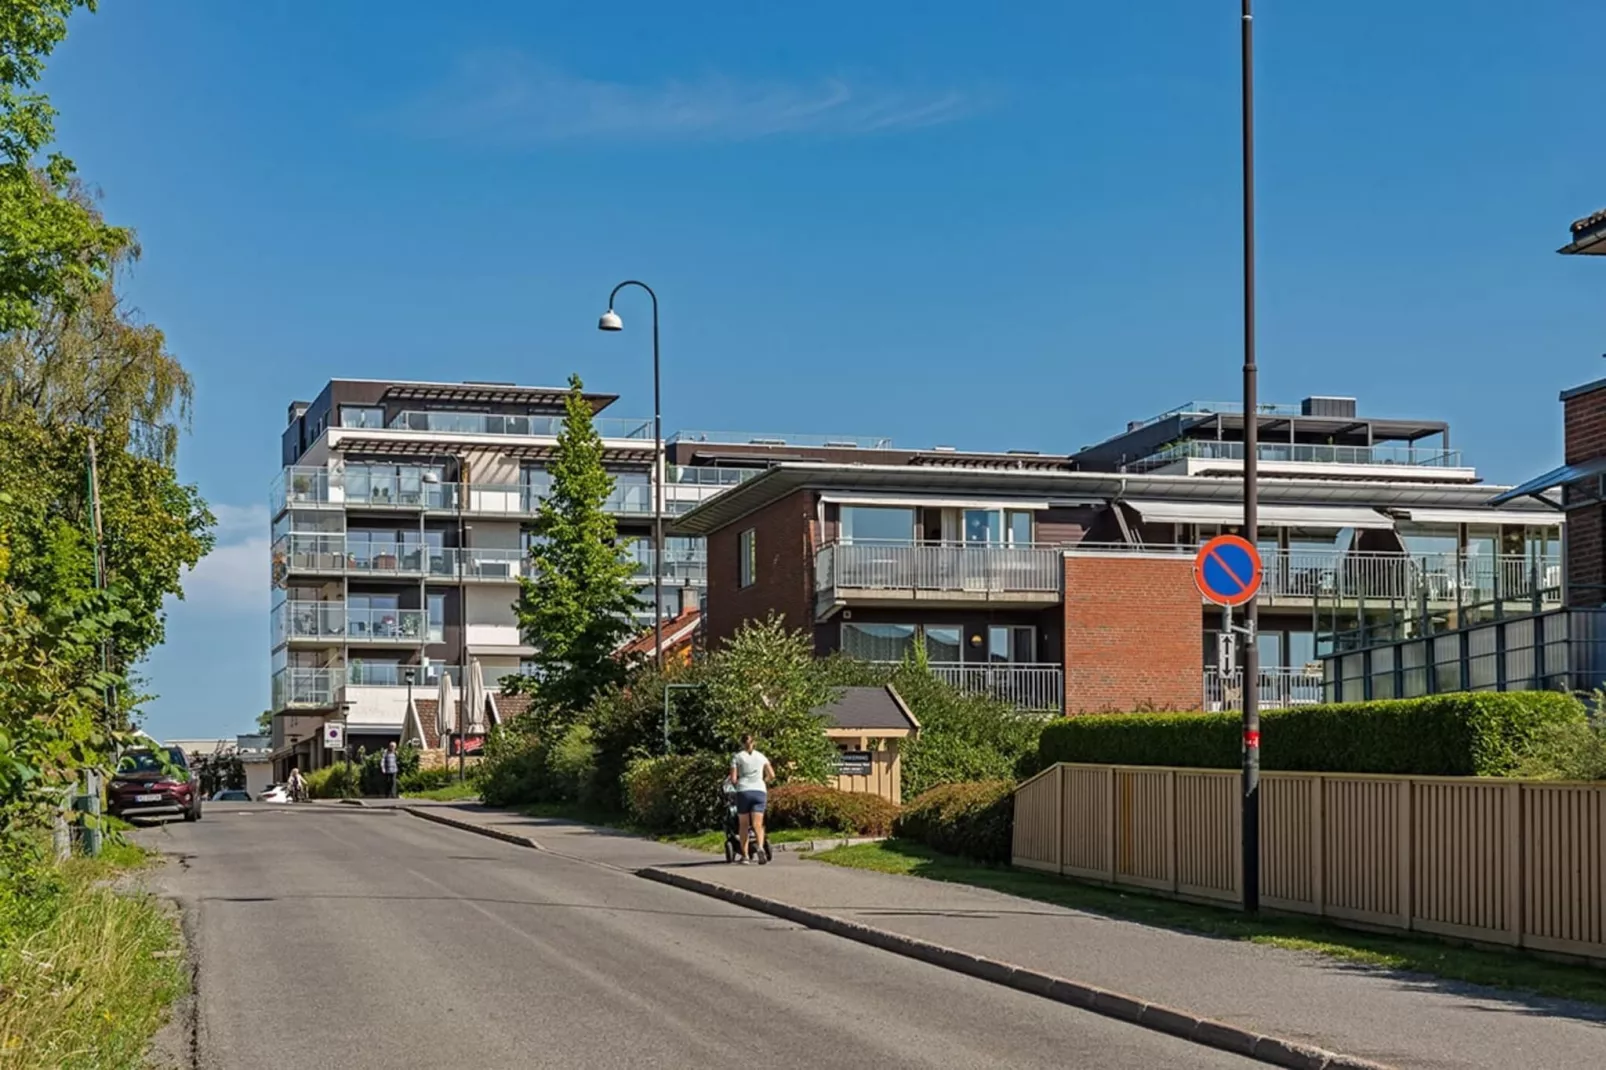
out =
column 1407, row 1021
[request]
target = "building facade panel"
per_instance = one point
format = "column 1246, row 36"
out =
column 783, row 577
column 1132, row 633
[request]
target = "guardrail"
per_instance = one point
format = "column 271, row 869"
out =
column 1279, row 689
column 1497, row 861
column 1299, row 453
column 982, row 569
column 1036, row 688
column 336, row 622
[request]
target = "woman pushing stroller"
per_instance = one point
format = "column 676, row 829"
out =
column 750, row 776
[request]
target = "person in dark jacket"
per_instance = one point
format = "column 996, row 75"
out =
column 390, row 765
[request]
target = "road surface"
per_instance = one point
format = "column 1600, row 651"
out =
column 331, row 936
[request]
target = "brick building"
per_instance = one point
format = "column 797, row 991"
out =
column 1065, row 583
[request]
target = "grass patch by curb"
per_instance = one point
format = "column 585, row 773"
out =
column 88, row 971
column 712, row 840
column 715, row 841
column 1497, row 969
column 460, row 792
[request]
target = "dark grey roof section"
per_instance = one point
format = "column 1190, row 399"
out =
column 1556, row 477
column 1578, row 391
column 869, row 708
column 783, row 479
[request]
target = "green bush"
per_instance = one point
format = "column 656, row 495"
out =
column 974, row 820
column 1481, row 733
column 677, row 792
column 814, row 806
column 523, row 767
column 333, row 782
column 1569, row 751
column 427, row 779
column 372, row 781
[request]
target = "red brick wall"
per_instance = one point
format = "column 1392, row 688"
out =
column 1585, row 422
column 784, row 579
column 1133, row 635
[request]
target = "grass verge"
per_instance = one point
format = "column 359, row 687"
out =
column 87, row 972
column 711, row 841
column 715, row 841
column 459, row 792
column 1497, row 969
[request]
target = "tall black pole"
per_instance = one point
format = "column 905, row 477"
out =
column 1251, row 657
column 659, row 472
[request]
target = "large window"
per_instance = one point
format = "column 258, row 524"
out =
column 361, row 416
column 943, row 643
column 437, row 616
column 879, row 642
column 877, row 523
column 746, row 558
column 1015, row 643
column 998, row 527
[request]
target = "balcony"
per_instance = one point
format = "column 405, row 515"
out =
column 480, row 423
column 1329, row 576
column 334, row 623
column 769, row 438
column 1033, row 688
column 1197, row 456
column 681, row 567
column 1279, row 689
column 385, row 674
column 889, row 573
column 305, row 688
column 524, row 499
column 312, row 487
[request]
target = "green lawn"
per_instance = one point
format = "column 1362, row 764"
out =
column 1500, row 969
column 715, row 841
column 457, row 792
column 88, row 973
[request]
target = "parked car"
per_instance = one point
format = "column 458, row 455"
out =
column 232, row 795
column 152, row 783
column 275, row 793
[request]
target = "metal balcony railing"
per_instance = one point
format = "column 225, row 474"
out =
column 304, row 688
column 900, row 566
column 386, row 674
column 1280, row 688
column 1294, row 452
column 1037, row 688
column 770, row 438
column 335, row 622
column 1332, row 576
column 479, row 423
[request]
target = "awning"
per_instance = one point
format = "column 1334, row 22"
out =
column 929, row 503
column 1556, row 477
column 1271, row 516
column 494, row 650
column 1538, row 517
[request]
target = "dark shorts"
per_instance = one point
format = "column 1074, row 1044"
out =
column 750, row 802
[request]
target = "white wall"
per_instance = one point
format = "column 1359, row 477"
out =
column 493, row 534
column 258, row 775
column 379, row 707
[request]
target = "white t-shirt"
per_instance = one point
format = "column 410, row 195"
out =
column 749, row 768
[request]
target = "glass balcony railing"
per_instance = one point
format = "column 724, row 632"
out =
column 295, row 688
column 335, row 622
column 388, row 674
column 709, row 476
column 1298, row 453
column 770, row 438
column 479, row 423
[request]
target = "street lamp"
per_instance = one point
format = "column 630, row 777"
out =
column 610, row 321
column 1250, row 830
column 345, row 741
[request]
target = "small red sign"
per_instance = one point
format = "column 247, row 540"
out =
column 1252, row 739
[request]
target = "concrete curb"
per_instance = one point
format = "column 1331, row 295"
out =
column 824, row 845
column 1130, row 1009
column 469, row 826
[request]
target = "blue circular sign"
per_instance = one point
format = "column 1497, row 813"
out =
column 1227, row 570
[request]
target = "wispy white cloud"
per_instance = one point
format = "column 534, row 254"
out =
column 233, row 578
column 508, row 98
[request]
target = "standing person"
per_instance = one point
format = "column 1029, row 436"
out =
column 751, row 773
column 390, row 765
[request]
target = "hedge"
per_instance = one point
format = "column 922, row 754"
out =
column 677, row 793
column 1482, row 733
column 814, row 806
column 975, row 819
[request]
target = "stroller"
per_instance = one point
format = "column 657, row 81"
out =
column 733, row 842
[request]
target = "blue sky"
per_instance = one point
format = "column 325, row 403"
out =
column 1009, row 226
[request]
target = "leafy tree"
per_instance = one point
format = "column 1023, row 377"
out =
column 265, row 723
column 89, row 360
column 576, row 610
column 51, row 246
column 765, row 681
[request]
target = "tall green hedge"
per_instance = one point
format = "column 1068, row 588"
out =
column 1481, row 733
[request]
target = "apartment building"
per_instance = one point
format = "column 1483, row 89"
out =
column 1064, row 583
column 401, row 524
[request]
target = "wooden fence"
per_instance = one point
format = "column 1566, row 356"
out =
column 1511, row 862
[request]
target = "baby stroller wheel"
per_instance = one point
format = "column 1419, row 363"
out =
column 769, row 852
column 730, row 850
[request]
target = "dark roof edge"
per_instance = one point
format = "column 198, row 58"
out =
column 1580, row 391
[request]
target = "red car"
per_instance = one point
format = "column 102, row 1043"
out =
column 152, row 784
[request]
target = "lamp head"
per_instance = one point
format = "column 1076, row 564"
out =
column 610, row 321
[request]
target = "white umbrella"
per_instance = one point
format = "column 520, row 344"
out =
column 445, row 705
column 475, row 716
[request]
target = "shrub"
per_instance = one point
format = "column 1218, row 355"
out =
column 677, row 792
column 1481, row 733
column 1568, row 751
column 814, row 806
column 333, row 782
column 527, row 767
column 974, row 820
column 427, row 779
column 372, row 781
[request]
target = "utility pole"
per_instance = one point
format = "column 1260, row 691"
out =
column 1250, row 831
column 92, row 776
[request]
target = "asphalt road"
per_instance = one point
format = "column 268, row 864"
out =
column 360, row 939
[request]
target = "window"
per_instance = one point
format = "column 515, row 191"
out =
column 1013, row 643
column 877, row 523
column 437, row 616
column 878, row 642
column 747, row 558
column 361, row 416
column 944, row 643
column 997, row 527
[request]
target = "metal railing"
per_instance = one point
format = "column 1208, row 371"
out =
column 480, row 423
column 302, row 485
column 524, row 499
column 680, row 566
column 770, row 438
column 1332, row 576
column 335, row 621
column 709, row 476
column 293, row 688
column 898, row 566
column 1218, row 408
column 387, row 674
column 1279, row 689
column 1037, row 688
column 1272, row 452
